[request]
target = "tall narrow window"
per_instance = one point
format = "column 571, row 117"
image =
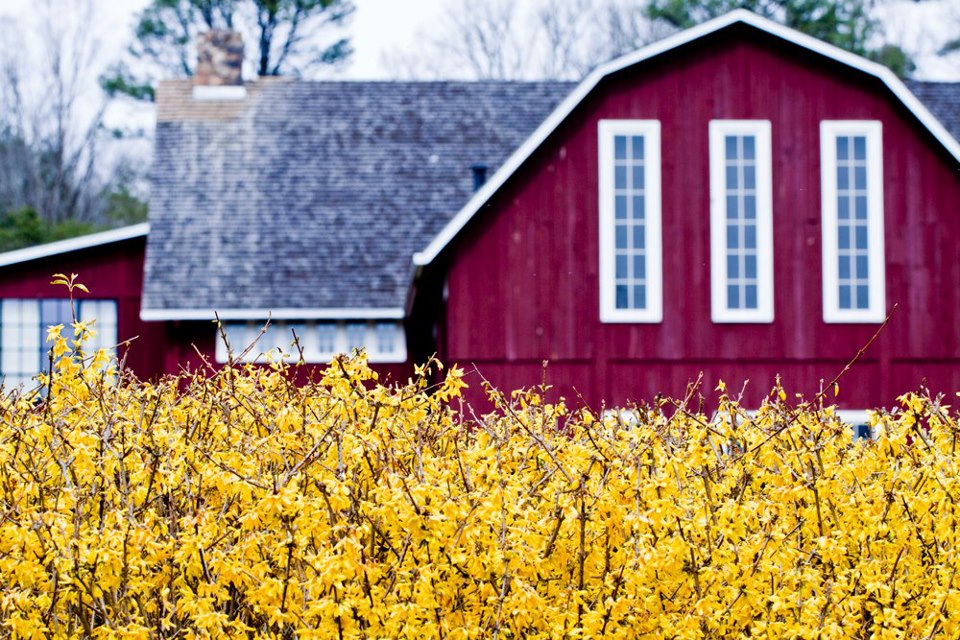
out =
column 853, row 253
column 630, row 241
column 741, row 221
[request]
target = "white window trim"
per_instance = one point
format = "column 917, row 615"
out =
column 830, row 130
column 720, row 312
column 650, row 130
column 309, row 340
column 854, row 417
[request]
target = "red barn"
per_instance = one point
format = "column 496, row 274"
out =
column 739, row 200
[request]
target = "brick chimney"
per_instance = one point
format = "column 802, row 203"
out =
column 219, row 59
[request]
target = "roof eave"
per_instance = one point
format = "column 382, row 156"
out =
column 60, row 247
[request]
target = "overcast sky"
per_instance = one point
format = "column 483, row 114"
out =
column 380, row 27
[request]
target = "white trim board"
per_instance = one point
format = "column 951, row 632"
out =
column 876, row 309
column 497, row 180
column 762, row 222
column 390, row 313
column 73, row 244
column 649, row 246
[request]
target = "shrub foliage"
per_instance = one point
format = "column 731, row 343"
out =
column 238, row 503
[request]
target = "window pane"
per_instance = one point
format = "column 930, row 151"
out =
column 620, row 177
column 862, row 268
column 621, row 236
column 843, row 148
column 639, row 267
column 861, row 206
column 751, row 296
column 733, row 296
column 622, row 296
column 750, row 266
column 326, row 338
column 621, row 207
column 356, row 335
column 732, row 236
column 750, row 207
column 860, row 177
column 750, row 236
column 638, row 177
column 861, row 237
column 732, row 178
column 22, row 341
column 843, row 268
column 638, row 147
column 843, row 237
column 749, row 177
column 863, row 297
column 844, row 296
column 639, row 208
column 843, row 177
column 860, row 148
column 639, row 297
column 733, row 266
column 843, row 208
column 639, row 239
column 749, row 147
column 620, row 147
column 733, row 206
column 730, row 143
column 621, row 267
column 387, row 335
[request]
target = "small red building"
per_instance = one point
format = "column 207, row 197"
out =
column 739, row 200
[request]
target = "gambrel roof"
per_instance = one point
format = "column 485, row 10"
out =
column 943, row 101
column 928, row 117
column 308, row 199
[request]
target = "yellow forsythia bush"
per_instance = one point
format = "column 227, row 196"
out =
column 240, row 504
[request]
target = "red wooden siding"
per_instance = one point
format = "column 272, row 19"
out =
column 523, row 282
column 111, row 271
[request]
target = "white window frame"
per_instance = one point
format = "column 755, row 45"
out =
column 242, row 333
column 21, row 324
column 720, row 310
column 872, row 130
column 650, row 130
column 855, row 417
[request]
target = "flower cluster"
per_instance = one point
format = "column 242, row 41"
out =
column 237, row 503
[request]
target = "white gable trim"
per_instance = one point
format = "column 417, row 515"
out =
column 346, row 313
column 73, row 244
column 450, row 231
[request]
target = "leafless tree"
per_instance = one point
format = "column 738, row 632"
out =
column 51, row 114
column 547, row 39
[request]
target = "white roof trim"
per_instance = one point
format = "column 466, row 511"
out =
column 446, row 235
column 389, row 313
column 73, row 244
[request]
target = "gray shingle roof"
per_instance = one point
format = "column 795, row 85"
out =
column 317, row 194
column 943, row 101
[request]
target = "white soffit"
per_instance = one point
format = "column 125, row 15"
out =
column 449, row 232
